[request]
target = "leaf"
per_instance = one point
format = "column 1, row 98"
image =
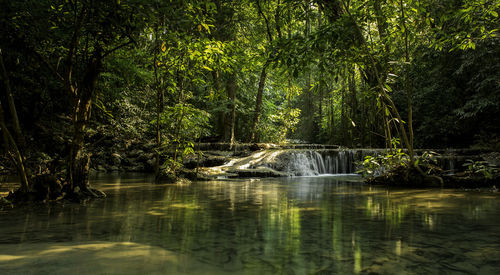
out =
column 206, row 27
column 389, row 89
column 163, row 47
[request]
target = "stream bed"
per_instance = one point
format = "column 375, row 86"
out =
column 298, row 225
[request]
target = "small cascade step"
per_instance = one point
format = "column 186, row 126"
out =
column 310, row 163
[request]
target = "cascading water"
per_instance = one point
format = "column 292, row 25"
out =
column 311, row 163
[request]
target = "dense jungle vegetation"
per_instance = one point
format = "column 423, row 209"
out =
column 81, row 75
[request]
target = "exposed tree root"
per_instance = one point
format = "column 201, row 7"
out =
column 48, row 188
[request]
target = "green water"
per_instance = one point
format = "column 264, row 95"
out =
column 323, row 225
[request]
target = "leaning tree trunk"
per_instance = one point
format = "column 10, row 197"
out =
column 12, row 144
column 12, row 106
column 13, row 152
column 263, row 75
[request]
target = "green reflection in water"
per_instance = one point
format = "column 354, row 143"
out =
column 278, row 226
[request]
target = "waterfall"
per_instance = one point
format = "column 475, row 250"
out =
column 311, row 163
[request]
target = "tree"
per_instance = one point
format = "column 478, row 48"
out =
column 72, row 44
column 12, row 142
column 270, row 53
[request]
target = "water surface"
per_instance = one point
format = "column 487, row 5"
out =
column 316, row 225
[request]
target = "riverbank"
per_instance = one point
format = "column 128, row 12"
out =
column 251, row 160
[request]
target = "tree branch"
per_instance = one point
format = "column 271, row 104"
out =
column 117, row 48
column 72, row 49
column 259, row 9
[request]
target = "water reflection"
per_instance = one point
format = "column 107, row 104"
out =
column 327, row 225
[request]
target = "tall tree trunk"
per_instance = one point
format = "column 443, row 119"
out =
column 343, row 118
column 178, row 123
column 320, row 108
column 159, row 107
column 258, row 102
column 263, row 74
column 353, row 103
column 407, row 86
column 78, row 159
column 221, row 115
column 231, row 116
column 382, row 30
column 332, row 121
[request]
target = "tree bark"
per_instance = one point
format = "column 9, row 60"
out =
column 12, row 106
column 258, row 103
column 407, row 86
column 231, row 116
column 353, row 103
column 380, row 81
column 159, row 107
column 12, row 145
column 13, row 152
column 263, row 75
column 78, row 159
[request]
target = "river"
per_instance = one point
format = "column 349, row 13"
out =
column 298, row 225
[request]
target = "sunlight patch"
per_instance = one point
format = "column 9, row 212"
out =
column 10, row 257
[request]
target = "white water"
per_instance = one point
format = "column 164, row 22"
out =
column 300, row 162
column 313, row 163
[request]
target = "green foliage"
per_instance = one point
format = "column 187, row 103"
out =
column 455, row 95
column 481, row 167
column 184, row 121
column 377, row 165
column 182, row 124
column 277, row 127
column 427, row 158
column 463, row 27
